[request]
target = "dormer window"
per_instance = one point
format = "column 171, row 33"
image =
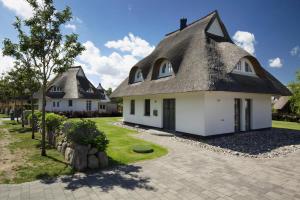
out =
column 56, row 89
column 165, row 69
column 244, row 66
column 90, row 90
column 138, row 77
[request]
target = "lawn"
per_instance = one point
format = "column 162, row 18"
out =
column 28, row 165
column 286, row 125
column 121, row 141
column 3, row 115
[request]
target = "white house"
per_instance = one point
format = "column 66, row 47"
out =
column 72, row 91
column 198, row 81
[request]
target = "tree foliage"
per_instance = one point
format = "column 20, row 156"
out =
column 42, row 46
column 295, row 98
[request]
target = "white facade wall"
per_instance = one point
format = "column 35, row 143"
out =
column 201, row 113
column 189, row 111
column 78, row 105
column 219, row 111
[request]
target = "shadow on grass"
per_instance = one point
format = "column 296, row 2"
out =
column 124, row 176
column 20, row 129
column 253, row 142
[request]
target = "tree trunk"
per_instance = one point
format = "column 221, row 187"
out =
column 32, row 121
column 22, row 117
column 15, row 111
column 43, row 152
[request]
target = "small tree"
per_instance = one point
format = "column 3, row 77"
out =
column 295, row 98
column 44, row 47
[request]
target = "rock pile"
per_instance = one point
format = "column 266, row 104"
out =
column 81, row 157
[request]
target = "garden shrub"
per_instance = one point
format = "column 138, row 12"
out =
column 85, row 132
column 53, row 124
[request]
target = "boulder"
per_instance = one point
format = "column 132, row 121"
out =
column 80, row 157
column 92, row 151
column 63, row 147
column 93, row 162
column 103, row 159
column 69, row 155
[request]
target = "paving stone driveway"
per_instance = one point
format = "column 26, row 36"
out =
column 187, row 172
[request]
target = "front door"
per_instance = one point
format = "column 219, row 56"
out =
column 248, row 115
column 169, row 114
column 237, row 115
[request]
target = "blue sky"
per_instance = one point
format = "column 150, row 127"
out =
column 118, row 33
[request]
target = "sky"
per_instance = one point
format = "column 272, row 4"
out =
column 119, row 33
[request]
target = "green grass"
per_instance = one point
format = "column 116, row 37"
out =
column 121, row 141
column 3, row 116
column 34, row 166
column 286, row 125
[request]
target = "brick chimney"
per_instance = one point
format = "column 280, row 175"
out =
column 183, row 22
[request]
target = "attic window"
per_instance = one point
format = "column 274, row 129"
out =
column 56, row 89
column 165, row 69
column 138, row 77
column 244, row 66
column 90, row 90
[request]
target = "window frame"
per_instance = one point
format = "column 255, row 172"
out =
column 70, row 103
column 132, row 107
column 138, row 76
column 165, row 69
column 89, row 105
column 242, row 65
column 147, row 107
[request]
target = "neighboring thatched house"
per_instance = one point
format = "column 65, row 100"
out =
column 72, row 91
column 198, row 81
column 282, row 105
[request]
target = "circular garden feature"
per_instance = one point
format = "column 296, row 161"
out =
column 142, row 149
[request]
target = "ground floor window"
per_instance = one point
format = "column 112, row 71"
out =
column 132, row 107
column 88, row 105
column 101, row 106
column 70, row 103
column 53, row 104
column 147, row 107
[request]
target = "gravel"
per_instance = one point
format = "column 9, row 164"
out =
column 255, row 144
column 269, row 143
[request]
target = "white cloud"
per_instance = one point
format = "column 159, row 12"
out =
column 111, row 70
column 20, row 7
column 132, row 44
column 71, row 26
column 275, row 62
column 6, row 63
column 245, row 40
column 295, row 51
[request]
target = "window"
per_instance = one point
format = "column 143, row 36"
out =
column 165, row 69
column 239, row 66
column 57, row 104
column 53, row 103
column 90, row 90
column 132, row 107
column 101, row 106
column 70, row 103
column 88, row 105
column 56, row 89
column 245, row 67
column 147, row 107
column 138, row 77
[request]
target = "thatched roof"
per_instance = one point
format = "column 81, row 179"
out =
column 201, row 62
column 281, row 102
column 74, row 85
